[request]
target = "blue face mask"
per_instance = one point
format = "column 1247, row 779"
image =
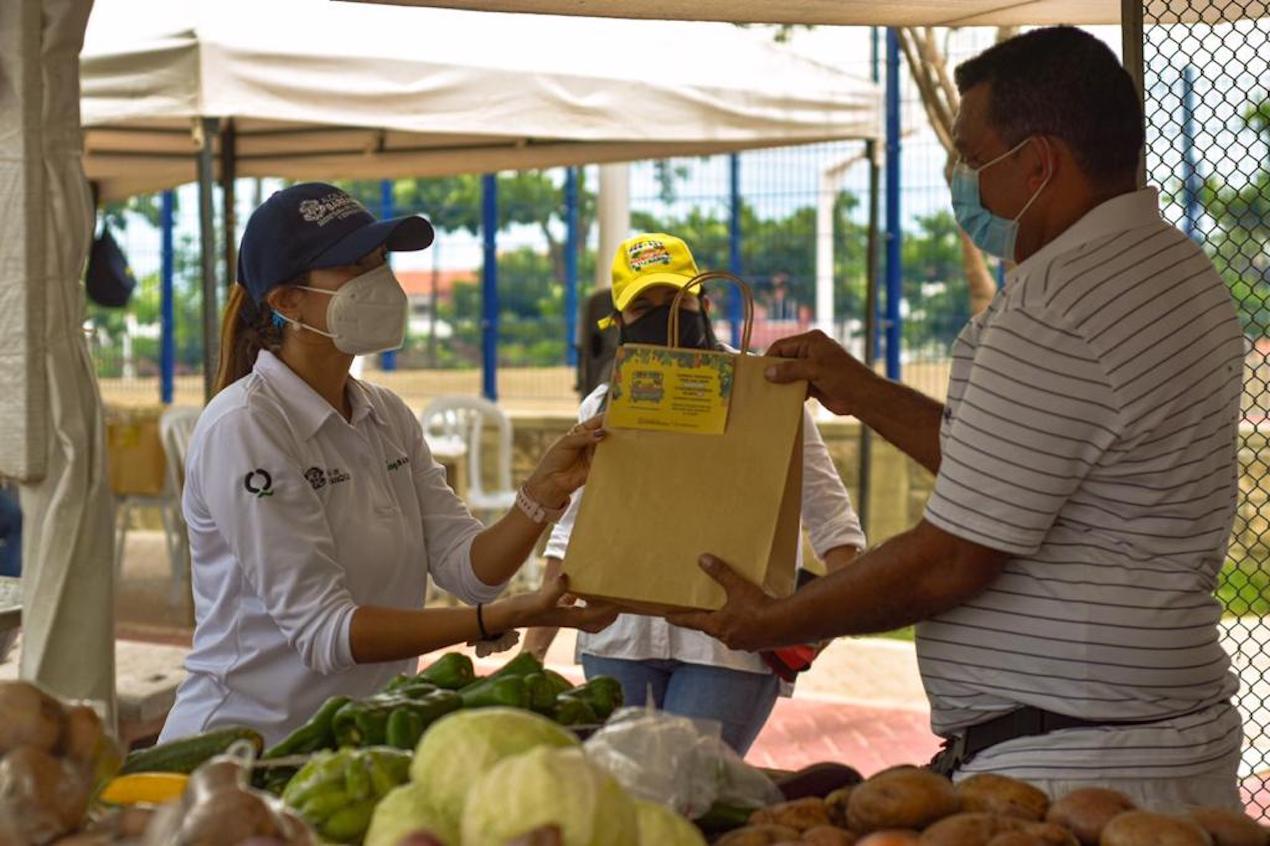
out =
column 991, row 233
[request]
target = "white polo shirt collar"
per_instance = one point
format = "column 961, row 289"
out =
column 308, row 410
column 1119, row 214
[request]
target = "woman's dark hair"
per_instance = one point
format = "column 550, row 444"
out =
column 1063, row 82
column 245, row 330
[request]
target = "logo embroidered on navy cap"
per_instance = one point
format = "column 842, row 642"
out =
column 334, row 206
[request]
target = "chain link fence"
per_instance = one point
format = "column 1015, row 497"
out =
column 1207, row 92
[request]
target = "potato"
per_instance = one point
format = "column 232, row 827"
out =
column 994, row 794
column 44, row 798
column 1017, row 838
column 29, row 717
column 800, row 814
column 1229, row 828
column 891, row 837
column 907, row 798
column 1144, row 828
column 828, row 835
column 758, row 835
column 226, row 817
column 82, row 734
column 1085, row 811
column 1052, row 834
column 836, row 805
column 968, row 829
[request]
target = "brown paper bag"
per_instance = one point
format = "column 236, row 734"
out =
column 655, row 500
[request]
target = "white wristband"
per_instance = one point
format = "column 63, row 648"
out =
column 536, row 511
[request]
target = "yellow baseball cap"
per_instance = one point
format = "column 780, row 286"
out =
column 648, row 259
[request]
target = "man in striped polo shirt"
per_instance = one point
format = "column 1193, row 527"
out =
column 1063, row 574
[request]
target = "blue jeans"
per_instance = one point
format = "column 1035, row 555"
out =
column 10, row 534
column 738, row 700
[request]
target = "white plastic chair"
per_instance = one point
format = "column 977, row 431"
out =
column 453, row 427
column 176, row 426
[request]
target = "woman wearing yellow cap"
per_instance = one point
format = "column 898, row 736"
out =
column 688, row 672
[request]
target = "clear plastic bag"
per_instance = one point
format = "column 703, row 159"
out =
column 54, row 756
column 678, row 762
column 219, row 808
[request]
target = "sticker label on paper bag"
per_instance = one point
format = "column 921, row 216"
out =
column 669, row 390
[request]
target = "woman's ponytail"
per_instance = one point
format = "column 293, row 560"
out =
column 245, row 330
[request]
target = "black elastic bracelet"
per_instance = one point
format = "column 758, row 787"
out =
column 480, row 620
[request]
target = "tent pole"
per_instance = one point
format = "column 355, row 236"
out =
column 489, row 287
column 571, row 267
column 736, row 315
column 387, row 360
column 207, row 250
column 228, row 176
column 894, row 233
column 167, row 306
column 1132, row 42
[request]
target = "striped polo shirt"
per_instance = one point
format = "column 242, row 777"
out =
column 1090, row 432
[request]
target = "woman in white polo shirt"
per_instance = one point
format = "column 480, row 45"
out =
column 316, row 513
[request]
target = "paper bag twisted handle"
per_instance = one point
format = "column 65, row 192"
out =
column 747, row 296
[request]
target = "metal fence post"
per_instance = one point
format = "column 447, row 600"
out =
column 207, row 251
column 736, row 313
column 571, row 266
column 489, row 287
column 167, row 304
column 1191, row 181
column 894, row 230
column 387, row 360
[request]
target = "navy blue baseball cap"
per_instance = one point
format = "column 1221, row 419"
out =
column 314, row 225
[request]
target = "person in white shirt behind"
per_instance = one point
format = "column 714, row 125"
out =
column 316, row 513
column 687, row 672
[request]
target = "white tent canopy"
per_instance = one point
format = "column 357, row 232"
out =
column 868, row 12
column 320, row 89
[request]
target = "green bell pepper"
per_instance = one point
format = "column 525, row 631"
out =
column 370, row 722
column 508, row 692
column 522, row 665
column 411, row 686
column 574, row 712
column 559, row 684
column 542, row 693
column 314, row 735
column 602, row 693
column 337, row 791
column 452, row 671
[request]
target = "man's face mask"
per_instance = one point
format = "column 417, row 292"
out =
column 991, row 233
column 652, row 327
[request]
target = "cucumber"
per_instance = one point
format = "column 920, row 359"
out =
column 189, row 753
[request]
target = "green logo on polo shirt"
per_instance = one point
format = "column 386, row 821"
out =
column 259, row 483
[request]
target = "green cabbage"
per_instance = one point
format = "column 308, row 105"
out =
column 660, row 826
column 461, row 747
column 403, row 811
column 549, row 786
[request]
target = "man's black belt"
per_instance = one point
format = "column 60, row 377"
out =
column 1021, row 722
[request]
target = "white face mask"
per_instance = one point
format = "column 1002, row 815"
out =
column 366, row 315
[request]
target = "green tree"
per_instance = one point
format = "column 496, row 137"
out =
column 934, row 284
column 1239, row 238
